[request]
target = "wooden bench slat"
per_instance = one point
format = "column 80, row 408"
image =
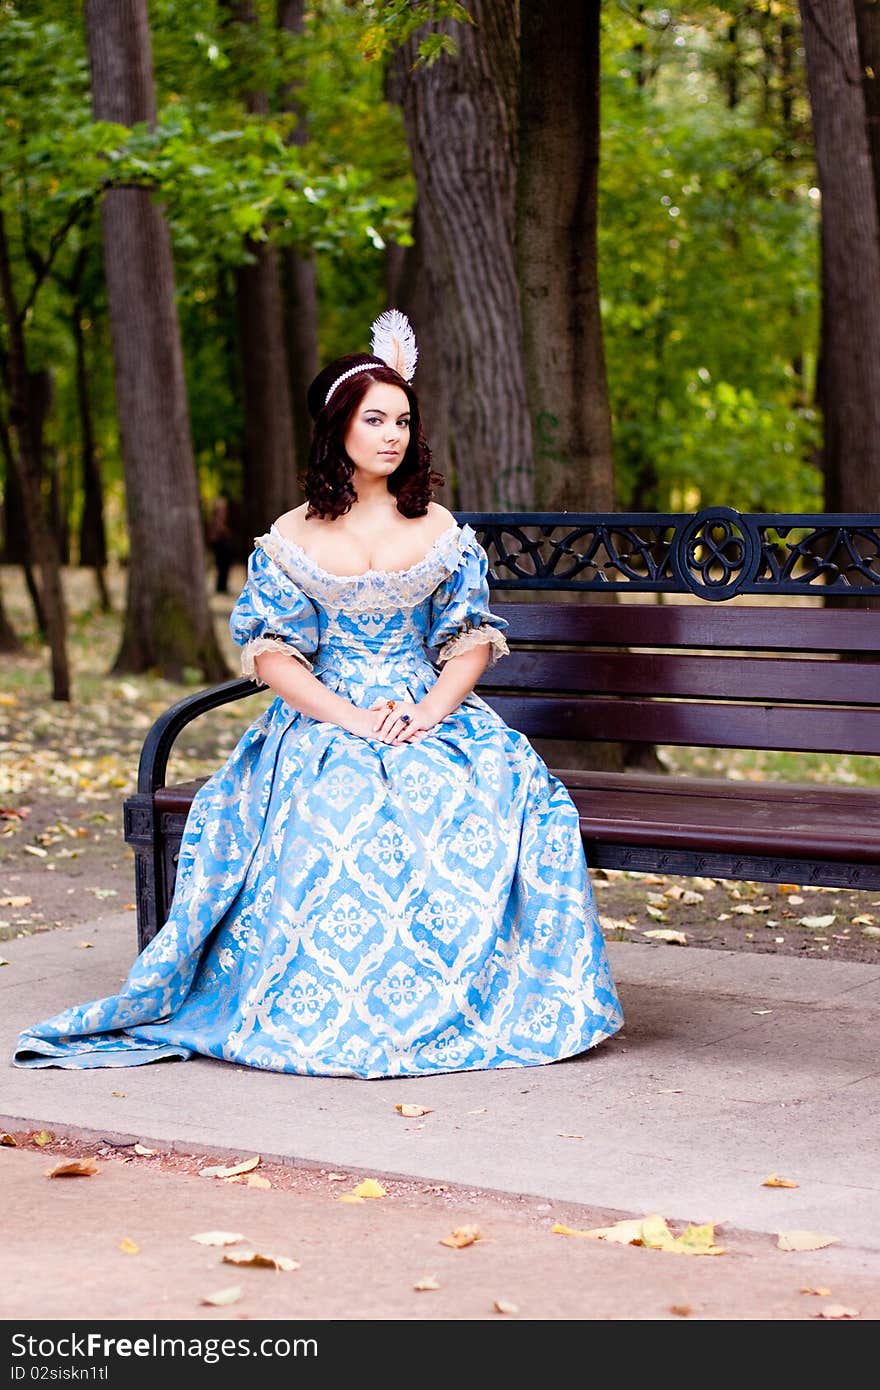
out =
column 693, row 625
column 690, row 722
column 809, row 681
column 726, row 816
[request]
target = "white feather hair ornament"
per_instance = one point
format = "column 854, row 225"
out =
column 393, row 339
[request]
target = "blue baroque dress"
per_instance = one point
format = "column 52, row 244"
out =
column 348, row 907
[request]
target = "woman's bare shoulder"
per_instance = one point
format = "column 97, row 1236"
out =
column 441, row 518
column 293, row 524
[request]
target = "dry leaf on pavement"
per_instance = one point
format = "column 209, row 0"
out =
column 253, row 1257
column 822, row 1293
column 223, row 1297
column 255, row 1180
column 836, row 1310
column 43, row 1137
column 9, row 1141
column 672, row 938
column 502, row 1306
column 129, row 1247
column 804, row 1240
column 74, row 1168
column 235, row 1170
column 775, row 1180
column 426, row 1284
column 462, row 1236
column 653, row 1232
column 369, row 1188
column 145, row 1153
column 217, row 1238
column 413, row 1112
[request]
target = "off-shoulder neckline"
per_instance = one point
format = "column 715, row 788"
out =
column 444, row 537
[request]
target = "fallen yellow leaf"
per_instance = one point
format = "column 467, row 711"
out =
column 85, row 945
column 74, row 1168
column 22, row 901
column 255, row 1180
column 462, row 1236
column 822, row 1293
column 246, row 1166
column 413, row 1112
column 253, row 1257
column 145, row 1153
column 426, row 1284
column 129, row 1247
column 836, row 1310
column 217, row 1238
column 672, row 938
column 652, row 1232
column 804, row 1240
column 349, row 1197
column 9, row 1140
column 369, row 1188
column 621, row 1233
column 502, row 1306
column 775, row 1180
column 683, row 1310
column 42, row 1138
column 223, row 1297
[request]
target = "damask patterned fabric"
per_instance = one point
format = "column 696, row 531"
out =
column 346, row 907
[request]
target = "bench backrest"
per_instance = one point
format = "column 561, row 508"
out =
column 786, row 678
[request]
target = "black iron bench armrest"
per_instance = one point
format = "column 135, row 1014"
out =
column 160, row 740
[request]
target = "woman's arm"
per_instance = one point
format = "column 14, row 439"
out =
column 296, row 685
column 456, row 680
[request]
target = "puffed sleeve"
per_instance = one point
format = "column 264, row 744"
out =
column 272, row 614
column 460, row 614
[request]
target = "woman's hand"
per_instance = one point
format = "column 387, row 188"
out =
column 390, row 726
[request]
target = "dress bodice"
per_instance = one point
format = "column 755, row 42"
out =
column 370, row 629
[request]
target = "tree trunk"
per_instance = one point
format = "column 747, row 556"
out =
column 558, row 255
column 270, row 463
column 868, row 30
column 461, row 123
column 850, row 378
column 168, row 623
column 43, row 545
column 269, row 460
column 9, row 642
column 299, row 278
column 409, row 289
column 92, row 535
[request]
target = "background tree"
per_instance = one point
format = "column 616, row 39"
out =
column 557, row 217
column 461, row 119
column 849, row 378
column 167, row 621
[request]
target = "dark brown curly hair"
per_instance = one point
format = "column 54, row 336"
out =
column 326, row 481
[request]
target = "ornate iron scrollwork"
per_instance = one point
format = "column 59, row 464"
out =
column 715, row 553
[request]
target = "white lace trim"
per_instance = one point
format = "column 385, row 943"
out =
column 258, row 645
column 377, row 590
column 475, row 637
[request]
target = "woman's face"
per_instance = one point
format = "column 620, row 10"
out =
column 378, row 434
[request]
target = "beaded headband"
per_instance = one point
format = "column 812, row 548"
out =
column 392, row 339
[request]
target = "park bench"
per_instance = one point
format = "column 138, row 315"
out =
column 705, row 670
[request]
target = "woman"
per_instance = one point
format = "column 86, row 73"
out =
column 384, row 879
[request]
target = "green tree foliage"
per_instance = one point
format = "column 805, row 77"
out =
column 708, row 225
column 708, row 267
